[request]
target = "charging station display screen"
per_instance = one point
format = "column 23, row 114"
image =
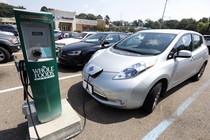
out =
column 37, row 33
column 37, row 41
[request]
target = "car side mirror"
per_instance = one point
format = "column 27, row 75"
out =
column 105, row 43
column 183, row 54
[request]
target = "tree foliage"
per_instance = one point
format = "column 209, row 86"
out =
column 107, row 19
column 201, row 25
column 88, row 16
column 6, row 10
column 45, row 9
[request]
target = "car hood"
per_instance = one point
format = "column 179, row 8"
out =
column 114, row 62
column 78, row 46
column 67, row 41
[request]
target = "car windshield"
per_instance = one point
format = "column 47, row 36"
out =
column 57, row 34
column 95, row 38
column 80, row 35
column 146, row 43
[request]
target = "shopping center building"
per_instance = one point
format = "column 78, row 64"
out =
column 65, row 21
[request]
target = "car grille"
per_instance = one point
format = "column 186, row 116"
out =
column 99, row 96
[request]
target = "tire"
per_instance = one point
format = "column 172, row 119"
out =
column 198, row 76
column 4, row 55
column 152, row 98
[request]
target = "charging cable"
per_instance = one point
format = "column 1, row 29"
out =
column 83, row 107
column 24, row 80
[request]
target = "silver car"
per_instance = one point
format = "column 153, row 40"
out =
column 143, row 67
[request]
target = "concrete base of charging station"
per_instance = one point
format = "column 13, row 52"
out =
column 63, row 127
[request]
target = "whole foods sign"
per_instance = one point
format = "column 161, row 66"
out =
column 43, row 73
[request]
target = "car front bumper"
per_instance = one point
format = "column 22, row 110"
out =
column 125, row 94
column 69, row 60
column 15, row 48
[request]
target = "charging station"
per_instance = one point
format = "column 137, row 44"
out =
column 37, row 41
column 38, row 46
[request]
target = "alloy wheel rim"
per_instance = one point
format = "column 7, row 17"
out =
column 156, row 100
column 1, row 56
column 201, row 71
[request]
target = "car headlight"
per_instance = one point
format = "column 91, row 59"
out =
column 131, row 72
column 74, row 53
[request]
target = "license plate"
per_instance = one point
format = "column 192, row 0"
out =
column 88, row 87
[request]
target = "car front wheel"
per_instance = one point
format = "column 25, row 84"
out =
column 4, row 55
column 152, row 98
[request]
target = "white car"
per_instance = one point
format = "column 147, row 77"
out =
column 62, row 42
column 6, row 33
column 141, row 68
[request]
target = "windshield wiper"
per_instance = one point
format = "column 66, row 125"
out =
column 132, row 51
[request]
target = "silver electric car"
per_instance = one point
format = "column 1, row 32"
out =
column 143, row 67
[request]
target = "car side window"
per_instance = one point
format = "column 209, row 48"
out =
column 112, row 38
column 122, row 35
column 184, row 43
column 197, row 41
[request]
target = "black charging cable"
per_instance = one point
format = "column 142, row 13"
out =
column 83, row 109
column 83, row 106
column 24, row 80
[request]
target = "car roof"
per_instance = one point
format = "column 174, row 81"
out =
column 170, row 31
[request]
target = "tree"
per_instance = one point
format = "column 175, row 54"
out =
column 135, row 23
column 7, row 10
column 100, row 28
column 149, row 23
column 91, row 17
column 81, row 16
column 99, row 17
column 107, row 19
column 140, row 22
column 44, row 9
column 117, row 23
column 170, row 24
column 204, row 19
column 187, row 24
column 202, row 27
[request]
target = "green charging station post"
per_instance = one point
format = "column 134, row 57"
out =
column 38, row 47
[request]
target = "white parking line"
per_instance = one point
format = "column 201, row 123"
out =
column 17, row 53
column 20, row 87
column 161, row 127
column 3, row 65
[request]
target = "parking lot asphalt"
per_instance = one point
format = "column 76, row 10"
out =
column 182, row 114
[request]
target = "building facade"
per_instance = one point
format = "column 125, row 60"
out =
column 4, row 20
column 65, row 21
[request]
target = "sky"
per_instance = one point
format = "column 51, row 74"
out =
column 127, row 10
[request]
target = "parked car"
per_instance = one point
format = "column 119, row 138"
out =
column 9, row 28
column 8, row 45
column 64, row 34
column 207, row 39
column 6, row 33
column 77, row 54
column 65, row 41
column 138, row 70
